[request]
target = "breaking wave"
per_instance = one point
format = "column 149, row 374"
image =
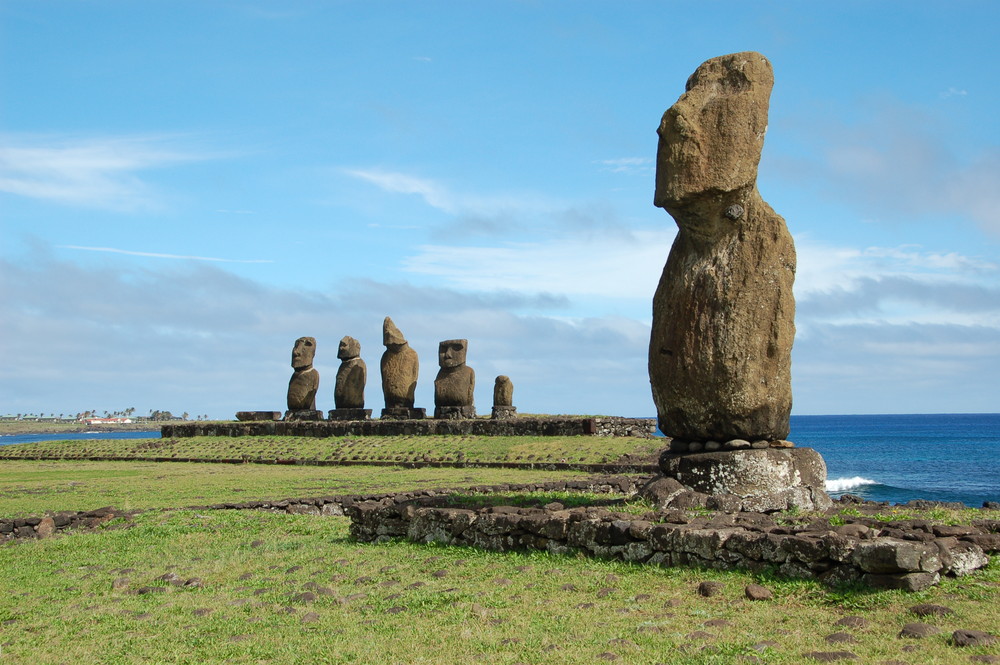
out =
column 845, row 484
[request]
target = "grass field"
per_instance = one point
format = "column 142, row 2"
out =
column 276, row 588
column 538, row 449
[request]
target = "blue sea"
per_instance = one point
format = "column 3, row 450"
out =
column 897, row 458
column 894, row 458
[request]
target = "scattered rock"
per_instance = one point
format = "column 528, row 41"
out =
column 830, row 656
column 304, row 597
column 763, row 646
column 716, row 623
column 309, row 617
column 983, row 658
column 928, row 609
column 972, row 638
column 395, row 610
column 202, row 611
column 440, row 573
column 852, row 622
column 120, row 583
column 841, row 638
column 757, row 592
column 709, row 589
column 918, row 630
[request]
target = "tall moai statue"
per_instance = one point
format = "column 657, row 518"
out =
column 723, row 313
column 455, row 382
column 349, row 392
column 503, row 399
column 400, row 367
column 304, row 384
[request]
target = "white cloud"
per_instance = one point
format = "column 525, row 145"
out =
column 610, row 266
column 95, row 172
column 163, row 256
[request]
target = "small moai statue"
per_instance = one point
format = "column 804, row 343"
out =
column 349, row 393
column 304, row 384
column 503, row 399
column 455, row 382
column 400, row 367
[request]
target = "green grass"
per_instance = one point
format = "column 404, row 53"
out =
column 527, row 449
column 406, row 603
column 397, row 602
column 32, row 488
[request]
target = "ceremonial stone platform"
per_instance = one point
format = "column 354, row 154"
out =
column 349, row 414
column 761, row 479
column 522, row 426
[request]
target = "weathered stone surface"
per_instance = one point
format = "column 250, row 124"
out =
column 757, row 592
column 723, row 313
column 917, row 630
column 349, row 414
column 304, row 384
column 771, row 479
column 455, row 382
column 503, row 391
column 46, row 527
column 972, row 638
column 254, row 416
column 400, row 367
column 661, row 490
column 352, row 375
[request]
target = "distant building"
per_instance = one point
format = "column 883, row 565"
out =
column 107, row 421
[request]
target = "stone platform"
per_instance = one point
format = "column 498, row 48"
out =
column 911, row 556
column 521, row 426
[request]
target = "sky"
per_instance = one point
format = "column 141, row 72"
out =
column 186, row 187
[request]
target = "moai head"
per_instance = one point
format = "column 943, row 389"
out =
column 391, row 336
column 349, row 348
column 711, row 138
column 451, row 353
column 303, row 352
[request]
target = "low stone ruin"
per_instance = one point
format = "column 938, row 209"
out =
column 895, row 555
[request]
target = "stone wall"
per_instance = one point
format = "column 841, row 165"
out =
column 910, row 556
column 48, row 525
column 522, row 426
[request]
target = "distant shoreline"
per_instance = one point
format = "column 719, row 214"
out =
column 22, row 427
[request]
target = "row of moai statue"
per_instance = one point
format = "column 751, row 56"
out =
column 453, row 387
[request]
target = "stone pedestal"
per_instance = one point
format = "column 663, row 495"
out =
column 765, row 479
column 349, row 414
column 306, row 414
column 504, row 413
column 403, row 413
column 249, row 416
column 454, row 412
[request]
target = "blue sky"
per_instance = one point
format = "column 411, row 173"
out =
column 187, row 187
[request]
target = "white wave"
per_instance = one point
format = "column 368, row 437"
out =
column 844, row 484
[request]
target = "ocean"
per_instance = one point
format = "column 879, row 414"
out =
column 897, row 458
column 894, row 458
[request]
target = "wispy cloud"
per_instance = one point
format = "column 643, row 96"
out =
column 444, row 198
column 606, row 265
column 954, row 92
column 157, row 255
column 900, row 163
column 630, row 165
column 91, row 172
